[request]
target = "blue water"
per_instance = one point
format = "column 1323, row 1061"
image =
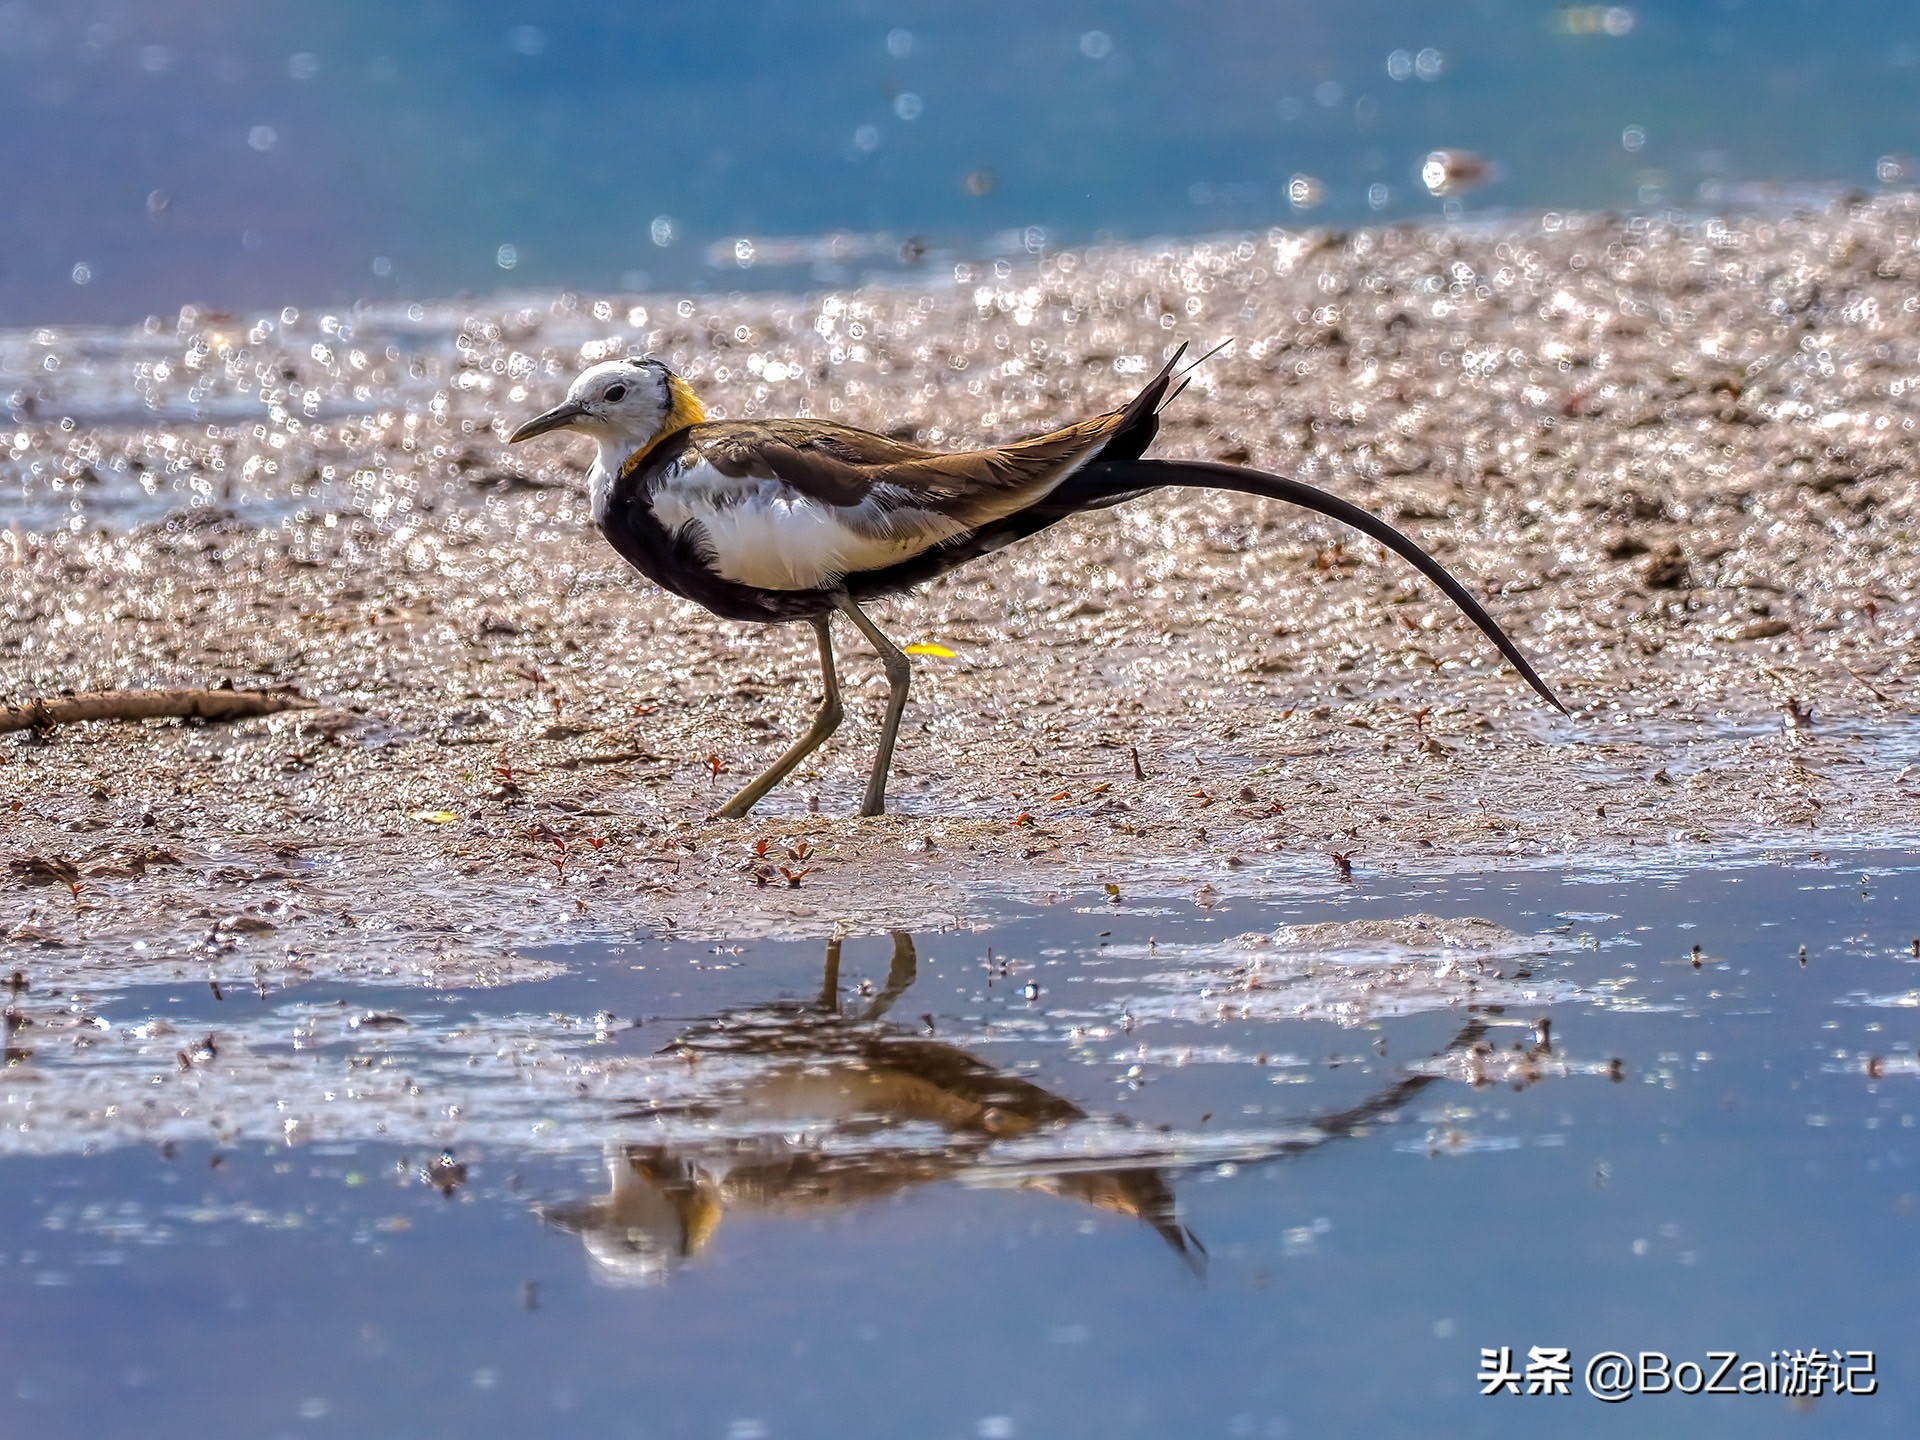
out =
column 1744, row 1178
column 244, row 155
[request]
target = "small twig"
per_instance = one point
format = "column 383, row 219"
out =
column 615, row 757
column 148, row 705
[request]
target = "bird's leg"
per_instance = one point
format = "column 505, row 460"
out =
column 825, row 721
column 830, row 981
column 899, row 673
column 900, row 975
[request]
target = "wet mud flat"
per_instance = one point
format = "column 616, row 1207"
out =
column 1677, row 458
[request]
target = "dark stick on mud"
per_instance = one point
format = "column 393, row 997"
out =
column 149, row 705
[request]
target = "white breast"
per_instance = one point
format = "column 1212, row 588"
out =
column 766, row 534
column 600, row 490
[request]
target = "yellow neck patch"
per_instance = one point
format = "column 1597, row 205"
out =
column 700, row 1214
column 683, row 409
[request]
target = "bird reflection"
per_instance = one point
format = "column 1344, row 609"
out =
column 838, row 1106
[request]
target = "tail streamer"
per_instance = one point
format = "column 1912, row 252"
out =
column 1112, row 481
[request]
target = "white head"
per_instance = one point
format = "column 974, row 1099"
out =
column 661, row 1211
column 624, row 405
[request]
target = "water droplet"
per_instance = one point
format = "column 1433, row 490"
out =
column 304, row 66
column 1304, row 192
column 1329, row 93
column 382, row 266
column 1096, row 44
column 899, row 43
column 1428, row 64
column 661, row 230
column 908, row 106
column 1633, row 139
column 83, row 274
column 507, row 256
column 867, row 138
column 263, row 138
column 1400, row 65
column 1378, row 196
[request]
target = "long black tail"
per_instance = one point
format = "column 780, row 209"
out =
column 1104, row 483
column 1127, row 479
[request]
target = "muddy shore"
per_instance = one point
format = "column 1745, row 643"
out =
column 1678, row 460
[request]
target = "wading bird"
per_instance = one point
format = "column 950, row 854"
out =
column 781, row 520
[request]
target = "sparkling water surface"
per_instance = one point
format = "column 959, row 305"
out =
column 1246, row 1167
column 241, row 155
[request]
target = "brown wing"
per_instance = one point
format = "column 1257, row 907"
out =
column 843, row 467
column 846, row 468
column 834, row 464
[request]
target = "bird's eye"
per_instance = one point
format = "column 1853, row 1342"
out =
column 615, row 394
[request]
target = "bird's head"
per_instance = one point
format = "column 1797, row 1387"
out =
column 624, row 404
column 662, row 1210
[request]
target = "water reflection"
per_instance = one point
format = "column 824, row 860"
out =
column 11, row 1022
column 823, row 1104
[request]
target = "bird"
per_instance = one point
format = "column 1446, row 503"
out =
column 788, row 520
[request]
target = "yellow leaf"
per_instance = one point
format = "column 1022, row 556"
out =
column 434, row 817
column 928, row 648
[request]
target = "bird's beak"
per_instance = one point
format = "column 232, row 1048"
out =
column 558, row 418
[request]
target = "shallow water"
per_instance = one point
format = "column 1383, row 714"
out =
column 1278, row 1165
column 231, row 155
